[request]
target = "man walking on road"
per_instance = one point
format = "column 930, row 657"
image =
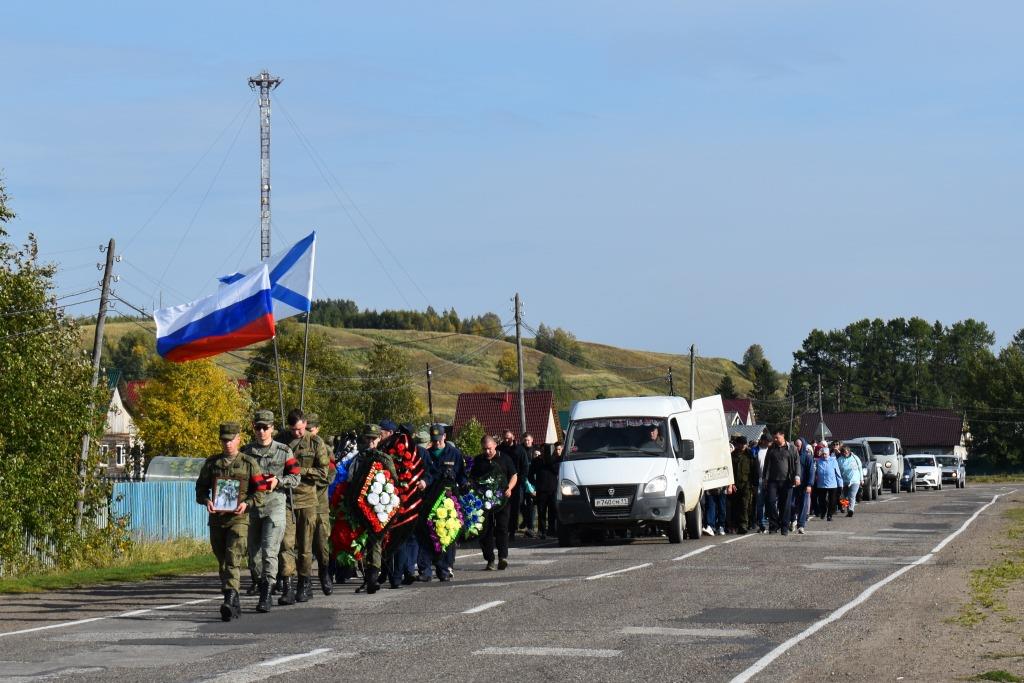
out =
column 745, row 478
column 781, row 473
column 313, row 463
column 322, row 533
column 496, row 522
column 447, row 465
column 228, row 478
column 521, row 461
column 279, row 472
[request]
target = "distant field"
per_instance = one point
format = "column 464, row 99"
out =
column 465, row 362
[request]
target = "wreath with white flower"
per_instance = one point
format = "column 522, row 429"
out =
column 378, row 498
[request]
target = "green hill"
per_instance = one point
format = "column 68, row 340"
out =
column 462, row 362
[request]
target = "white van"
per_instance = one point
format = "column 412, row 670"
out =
column 631, row 462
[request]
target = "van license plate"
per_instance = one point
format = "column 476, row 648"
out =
column 610, row 502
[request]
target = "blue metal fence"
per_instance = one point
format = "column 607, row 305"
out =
column 160, row 510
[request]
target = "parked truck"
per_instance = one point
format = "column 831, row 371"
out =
column 641, row 462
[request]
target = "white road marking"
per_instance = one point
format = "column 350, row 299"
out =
column 618, row 571
column 685, row 632
column 280, row 666
column 78, row 622
column 887, row 500
column 485, row 606
column 292, row 658
column 698, row 551
column 760, row 665
column 739, row 538
column 548, row 652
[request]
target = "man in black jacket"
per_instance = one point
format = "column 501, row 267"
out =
column 781, row 473
column 517, row 454
column 544, row 475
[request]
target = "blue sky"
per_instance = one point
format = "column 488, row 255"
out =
column 648, row 175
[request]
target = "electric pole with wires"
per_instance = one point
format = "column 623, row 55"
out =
column 519, row 358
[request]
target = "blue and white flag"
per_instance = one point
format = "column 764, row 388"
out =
column 291, row 277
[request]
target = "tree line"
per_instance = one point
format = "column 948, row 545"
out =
column 347, row 314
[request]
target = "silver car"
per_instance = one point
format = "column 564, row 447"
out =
column 953, row 471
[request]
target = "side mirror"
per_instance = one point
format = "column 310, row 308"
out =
column 685, row 451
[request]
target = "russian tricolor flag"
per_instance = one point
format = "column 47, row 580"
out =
column 237, row 315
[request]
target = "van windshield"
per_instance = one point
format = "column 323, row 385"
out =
column 616, row 437
column 883, row 447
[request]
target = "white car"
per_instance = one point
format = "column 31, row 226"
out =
column 927, row 469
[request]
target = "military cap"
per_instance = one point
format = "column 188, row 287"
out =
column 312, row 420
column 421, row 437
column 739, row 439
column 263, row 417
column 229, row 430
column 371, row 431
column 436, row 432
column 388, row 425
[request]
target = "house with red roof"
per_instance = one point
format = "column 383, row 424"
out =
column 498, row 411
column 939, row 432
column 739, row 411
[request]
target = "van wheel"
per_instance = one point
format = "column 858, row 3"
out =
column 694, row 519
column 896, row 486
column 676, row 526
column 874, row 493
column 565, row 532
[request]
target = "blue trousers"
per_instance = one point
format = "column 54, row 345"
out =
column 408, row 555
column 715, row 508
column 428, row 559
column 801, row 507
column 759, row 512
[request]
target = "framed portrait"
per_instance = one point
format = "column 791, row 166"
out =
column 226, row 493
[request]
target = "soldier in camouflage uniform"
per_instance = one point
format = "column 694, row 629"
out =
column 374, row 550
column 744, row 472
column 322, row 534
column 279, row 472
column 313, row 463
column 228, row 529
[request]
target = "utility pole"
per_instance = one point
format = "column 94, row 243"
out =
column 430, row 394
column 671, row 385
column 519, row 357
column 693, row 372
column 97, row 351
column 792, row 414
column 265, row 83
column 821, row 412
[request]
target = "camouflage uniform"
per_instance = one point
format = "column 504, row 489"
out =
column 322, row 534
column 228, row 531
column 313, row 463
column 267, row 514
column 744, row 472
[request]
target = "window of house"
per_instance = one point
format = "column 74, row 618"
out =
column 120, row 456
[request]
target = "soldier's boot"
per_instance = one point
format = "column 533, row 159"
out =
column 254, row 585
column 264, row 604
column 287, row 592
column 372, row 573
column 278, row 585
column 236, row 605
column 326, row 585
column 227, row 609
column 302, row 593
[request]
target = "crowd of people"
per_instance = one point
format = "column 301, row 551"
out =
column 393, row 502
column 779, row 485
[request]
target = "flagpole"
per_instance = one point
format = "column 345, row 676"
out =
column 305, row 357
column 280, row 389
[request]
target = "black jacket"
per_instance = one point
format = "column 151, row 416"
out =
column 781, row 463
column 544, row 474
column 517, row 454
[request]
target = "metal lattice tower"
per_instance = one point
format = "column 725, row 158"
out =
column 265, row 82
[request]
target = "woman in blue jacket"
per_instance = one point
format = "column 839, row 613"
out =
column 851, row 468
column 828, row 479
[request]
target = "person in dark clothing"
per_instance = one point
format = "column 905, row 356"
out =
column 544, row 476
column 533, row 452
column 496, row 522
column 447, row 465
column 517, row 454
column 780, row 474
column 744, row 472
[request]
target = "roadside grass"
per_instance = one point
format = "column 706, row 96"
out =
column 1004, row 478
column 998, row 675
column 989, row 584
column 143, row 561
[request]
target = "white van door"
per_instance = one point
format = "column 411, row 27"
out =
column 713, row 442
column 690, row 476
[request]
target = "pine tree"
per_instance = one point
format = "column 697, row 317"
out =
column 727, row 389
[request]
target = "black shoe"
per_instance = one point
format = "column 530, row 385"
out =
column 849, row 513
column 741, row 531
column 254, row 586
column 326, row 585
column 227, row 609
column 443, row 577
column 489, row 567
column 424, row 578
column 408, row 579
column 372, row 573
column 829, row 518
column 394, row 586
column 278, row 586
column 303, row 591
column 264, row 604
column 784, row 532
column 287, row 592
column 503, row 564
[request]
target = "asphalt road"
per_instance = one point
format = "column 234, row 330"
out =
column 712, row 609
